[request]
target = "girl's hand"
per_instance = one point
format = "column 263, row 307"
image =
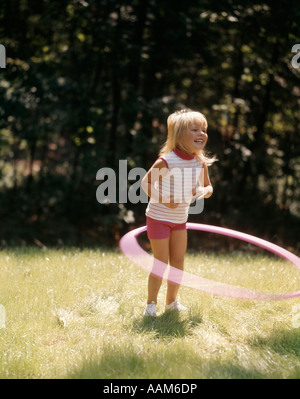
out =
column 171, row 205
column 169, row 201
column 203, row 192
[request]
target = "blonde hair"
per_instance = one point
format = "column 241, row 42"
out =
column 177, row 123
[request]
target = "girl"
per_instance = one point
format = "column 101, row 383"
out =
column 178, row 176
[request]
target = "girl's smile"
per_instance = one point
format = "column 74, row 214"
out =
column 194, row 138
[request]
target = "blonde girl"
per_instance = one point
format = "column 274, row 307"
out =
column 178, row 176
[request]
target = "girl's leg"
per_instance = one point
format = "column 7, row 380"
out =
column 177, row 246
column 160, row 249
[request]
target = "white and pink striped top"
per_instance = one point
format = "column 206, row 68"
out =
column 182, row 178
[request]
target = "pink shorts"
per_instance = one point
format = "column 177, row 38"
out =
column 157, row 229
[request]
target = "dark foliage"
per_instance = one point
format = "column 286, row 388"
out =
column 89, row 83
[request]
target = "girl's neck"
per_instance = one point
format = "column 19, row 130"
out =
column 183, row 154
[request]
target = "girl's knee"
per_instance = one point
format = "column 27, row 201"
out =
column 177, row 261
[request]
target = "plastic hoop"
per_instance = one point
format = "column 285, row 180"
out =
column 132, row 250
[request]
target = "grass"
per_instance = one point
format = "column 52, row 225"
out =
column 74, row 313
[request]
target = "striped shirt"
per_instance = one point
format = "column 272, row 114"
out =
column 181, row 180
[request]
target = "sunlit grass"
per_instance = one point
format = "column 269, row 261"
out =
column 79, row 314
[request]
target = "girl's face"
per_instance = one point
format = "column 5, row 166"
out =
column 194, row 138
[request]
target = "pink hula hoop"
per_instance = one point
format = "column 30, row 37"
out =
column 132, row 250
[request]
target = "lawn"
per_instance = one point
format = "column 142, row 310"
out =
column 78, row 313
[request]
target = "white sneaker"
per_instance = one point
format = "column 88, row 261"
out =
column 150, row 309
column 176, row 306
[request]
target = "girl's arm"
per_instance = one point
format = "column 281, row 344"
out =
column 206, row 190
column 153, row 176
column 207, row 183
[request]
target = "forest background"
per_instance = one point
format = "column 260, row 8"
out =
column 89, row 83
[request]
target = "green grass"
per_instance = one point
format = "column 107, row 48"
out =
column 79, row 314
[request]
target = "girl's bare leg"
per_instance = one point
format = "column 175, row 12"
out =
column 160, row 249
column 177, row 248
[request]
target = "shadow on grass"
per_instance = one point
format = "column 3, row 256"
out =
column 179, row 360
column 169, row 324
column 284, row 342
column 127, row 363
